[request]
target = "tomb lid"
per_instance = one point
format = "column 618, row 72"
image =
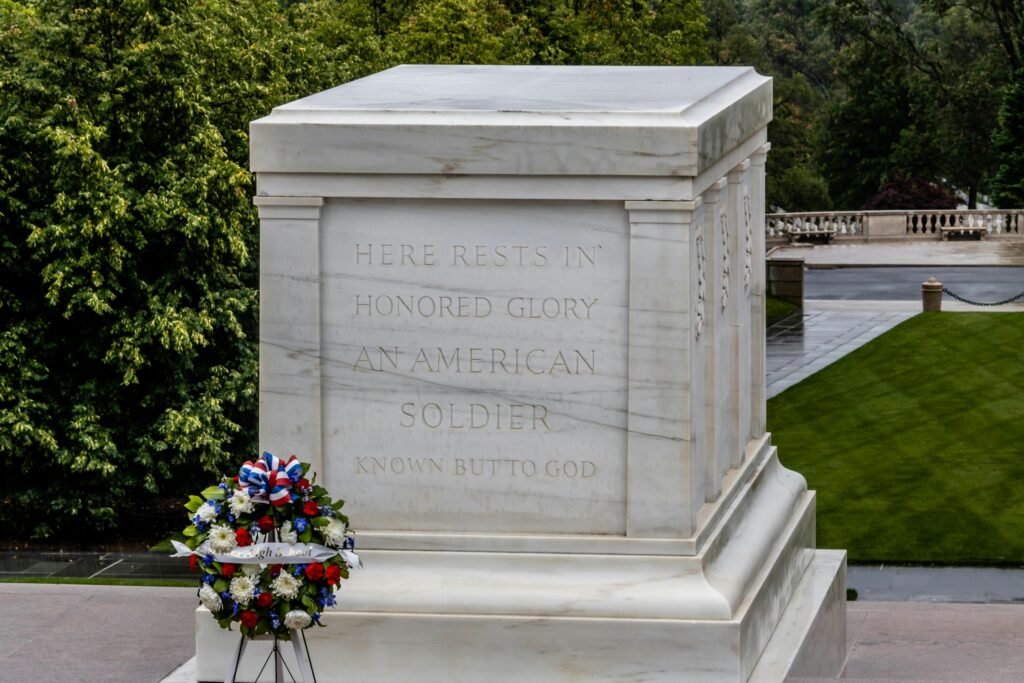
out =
column 518, row 120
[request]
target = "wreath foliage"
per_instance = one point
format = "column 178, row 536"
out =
column 269, row 502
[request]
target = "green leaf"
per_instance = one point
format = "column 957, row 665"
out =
column 320, row 521
column 306, row 535
column 190, row 530
column 215, row 493
column 337, row 504
column 193, row 504
column 221, row 585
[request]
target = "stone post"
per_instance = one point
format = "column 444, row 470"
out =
column 931, row 295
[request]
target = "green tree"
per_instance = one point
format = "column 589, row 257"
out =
column 1008, row 139
column 939, row 65
column 462, row 32
column 127, row 299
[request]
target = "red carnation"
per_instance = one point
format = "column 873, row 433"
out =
column 303, row 484
column 275, row 569
column 266, row 523
column 228, row 569
column 249, row 618
column 243, row 538
column 193, row 563
column 311, row 508
column 315, row 571
column 333, row 574
column 264, row 599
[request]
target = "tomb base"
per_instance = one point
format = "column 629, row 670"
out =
column 754, row 602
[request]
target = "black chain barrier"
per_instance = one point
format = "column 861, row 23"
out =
column 983, row 303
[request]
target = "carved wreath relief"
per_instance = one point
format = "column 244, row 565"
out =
column 748, row 256
column 724, row 221
column 701, row 290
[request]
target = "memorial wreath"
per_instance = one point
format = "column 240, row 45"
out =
column 272, row 547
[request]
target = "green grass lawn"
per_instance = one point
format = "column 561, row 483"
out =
column 777, row 309
column 915, row 442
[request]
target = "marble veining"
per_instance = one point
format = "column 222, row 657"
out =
column 502, row 314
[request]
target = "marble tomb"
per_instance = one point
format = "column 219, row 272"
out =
column 515, row 317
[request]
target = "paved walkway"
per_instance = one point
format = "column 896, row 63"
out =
column 827, row 330
column 924, row 253
column 922, row 642
column 110, row 634
column 93, row 634
column 806, row 342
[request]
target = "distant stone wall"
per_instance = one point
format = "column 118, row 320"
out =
column 786, row 279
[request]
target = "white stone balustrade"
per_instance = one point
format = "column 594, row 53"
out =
column 894, row 225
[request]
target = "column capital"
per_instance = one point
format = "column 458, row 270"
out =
column 736, row 174
column 305, row 208
column 677, row 212
column 758, row 157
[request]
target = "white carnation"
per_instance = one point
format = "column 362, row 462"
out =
column 297, row 619
column 222, row 538
column 285, row 586
column 240, row 503
column 253, row 569
column 287, row 533
column 207, row 512
column 242, row 589
column 334, row 533
column 210, row 599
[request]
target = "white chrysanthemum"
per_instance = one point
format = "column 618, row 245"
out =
column 253, row 569
column 287, row 533
column 207, row 512
column 210, row 599
column 242, row 589
column 334, row 533
column 240, row 503
column 285, row 586
column 222, row 538
column 297, row 619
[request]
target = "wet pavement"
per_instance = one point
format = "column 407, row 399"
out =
column 806, row 342
column 922, row 253
column 91, row 565
column 94, row 634
column 982, row 284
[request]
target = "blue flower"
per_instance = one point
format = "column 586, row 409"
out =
column 209, row 579
column 231, row 518
column 316, row 617
column 326, row 511
column 226, row 595
column 299, row 568
column 349, row 543
column 234, row 610
column 208, row 559
column 300, row 524
column 223, row 486
column 275, row 620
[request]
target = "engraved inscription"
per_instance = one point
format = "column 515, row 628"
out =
column 474, row 362
column 477, row 467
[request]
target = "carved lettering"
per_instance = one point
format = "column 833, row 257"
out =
column 489, row 468
column 474, row 416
